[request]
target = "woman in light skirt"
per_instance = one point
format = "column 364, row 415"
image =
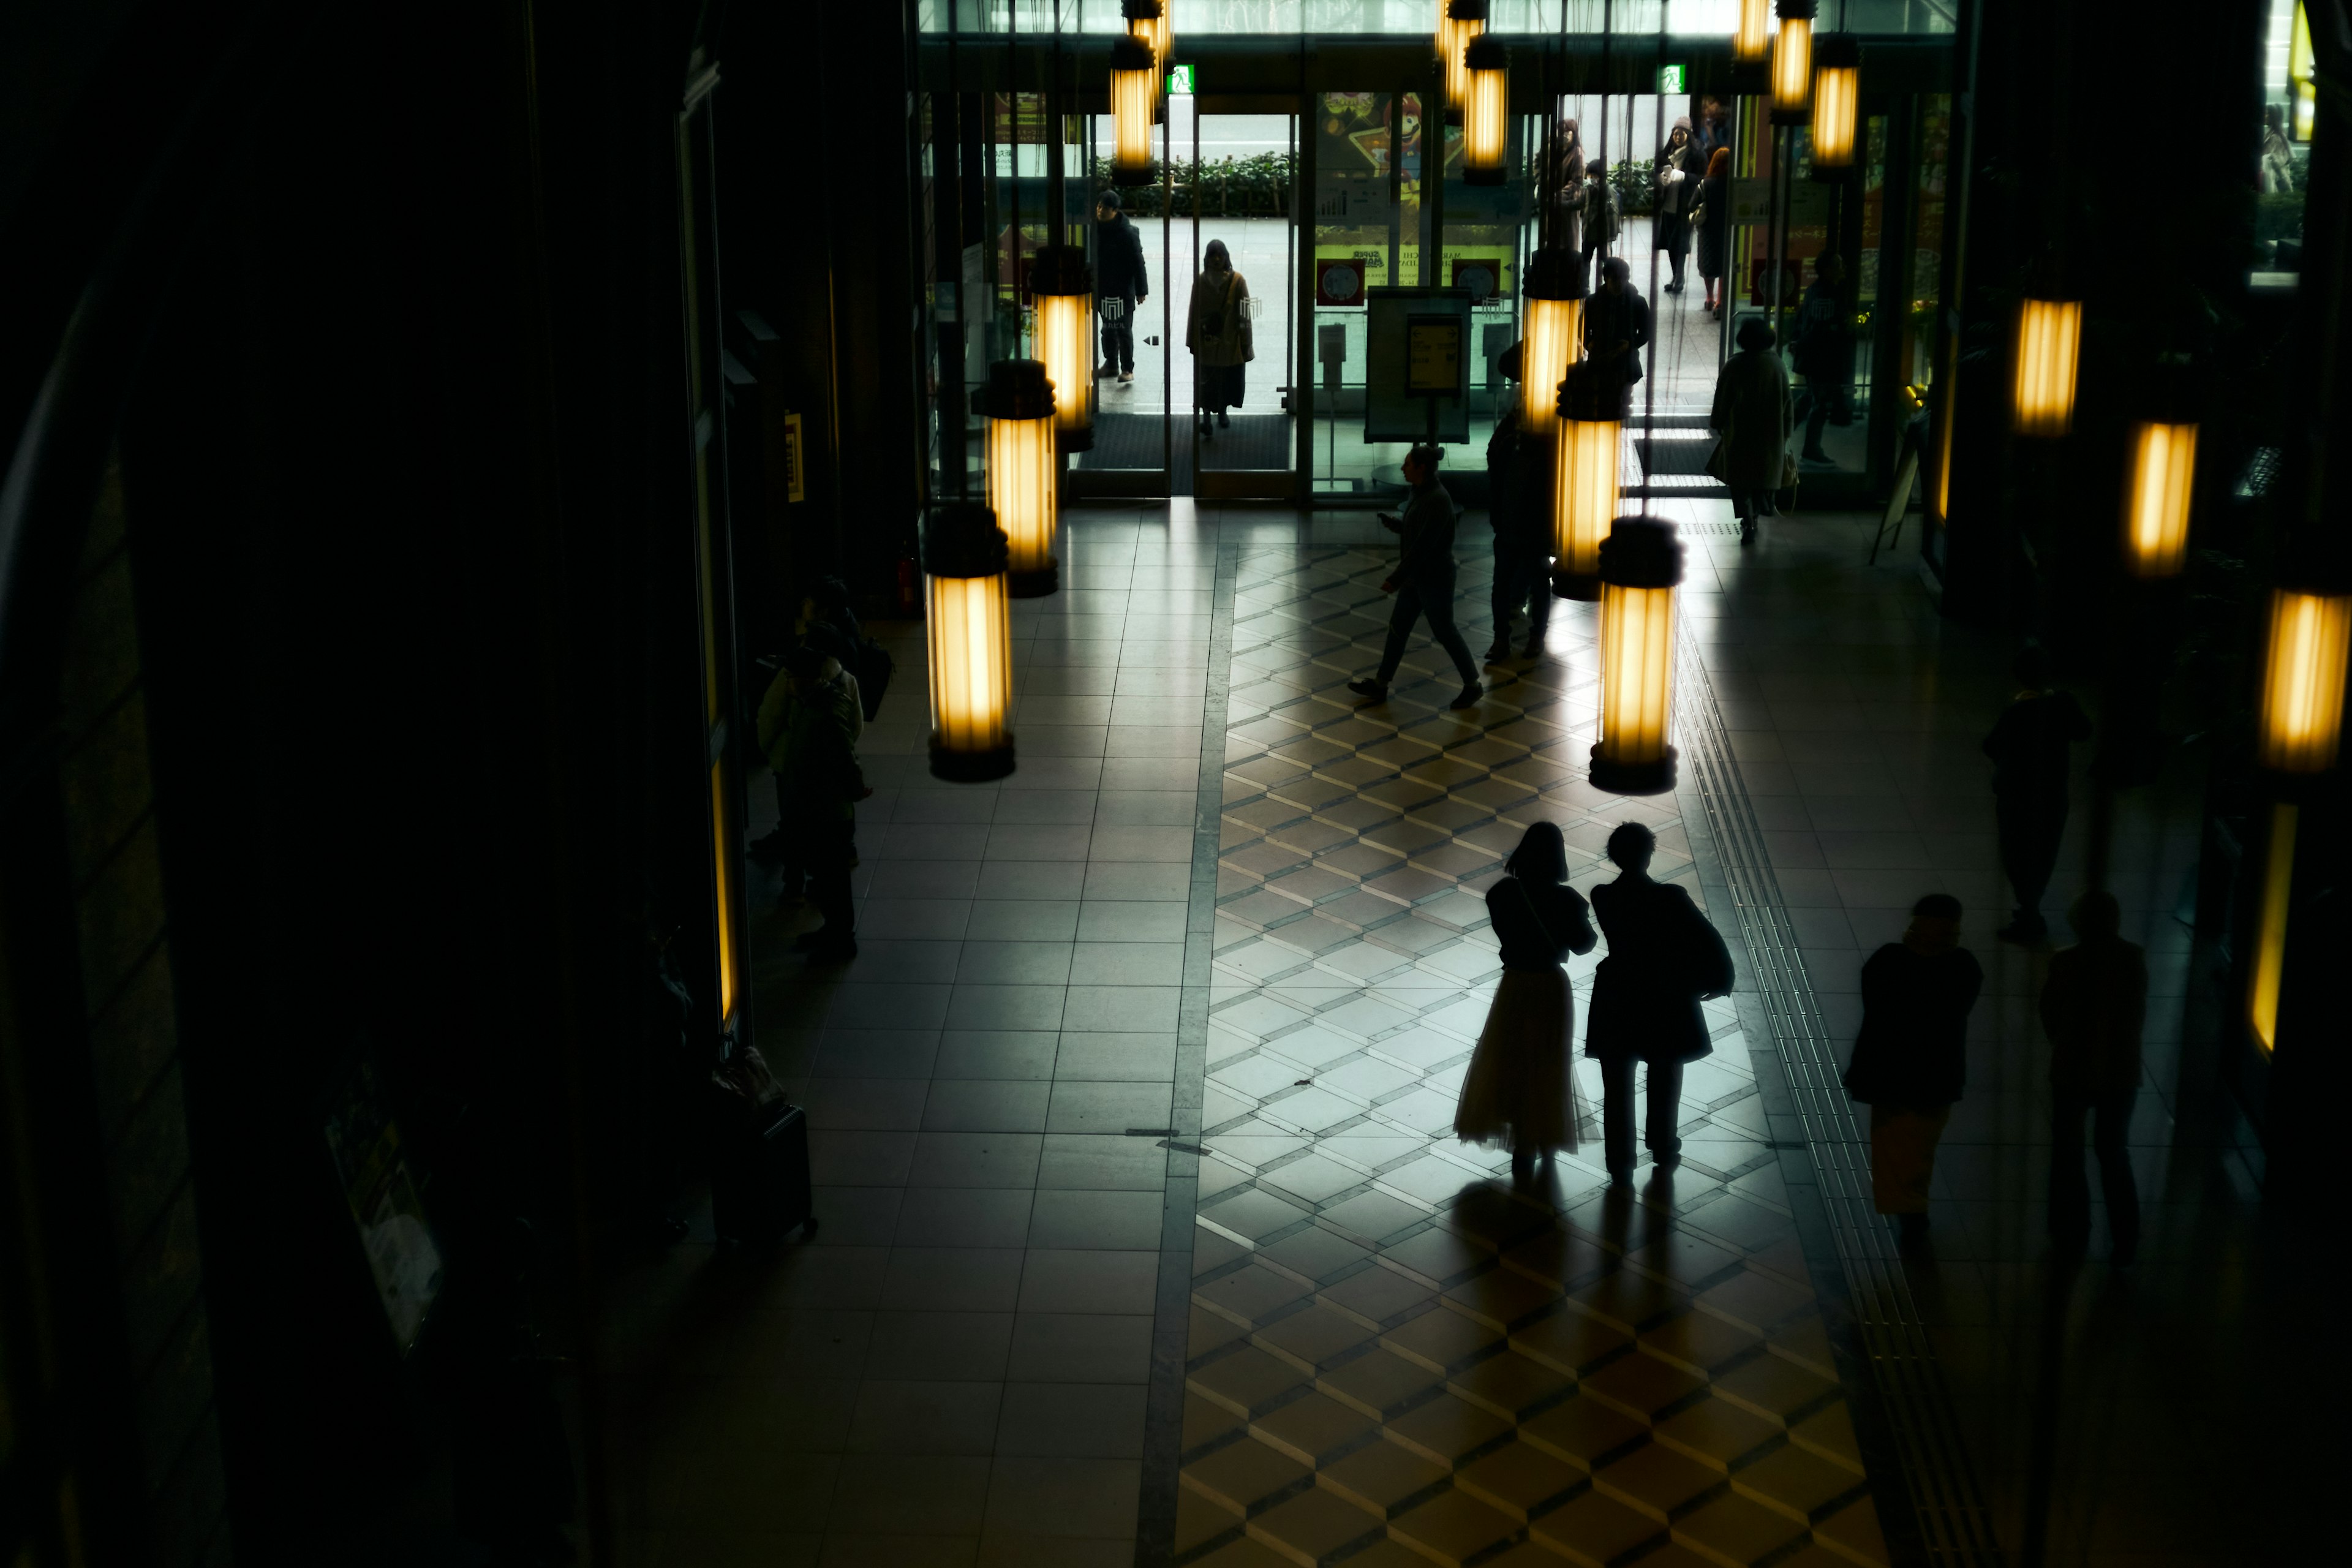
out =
column 1519, row 1093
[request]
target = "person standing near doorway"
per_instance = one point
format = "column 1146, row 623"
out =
column 1217, row 331
column 1665, row 959
column 1423, row 580
column 1713, row 227
column 2094, row 1006
column 1751, row 420
column 1910, row 1060
column 2030, row 747
column 1823, row 350
column 1567, row 183
column 1600, row 217
column 1676, row 174
column 1516, row 492
column 1121, row 285
column 1616, row 331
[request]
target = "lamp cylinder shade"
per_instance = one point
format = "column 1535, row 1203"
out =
column 2048, row 352
column 1025, row 468
column 1063, row 286
column 2155, row 498
column 1793, row 63
column 2268, row 972
column 1458, row 23
column 2302, row 681
column 1751, row 39
column 1584, row 502
column 1553, row 295
column 1148, row 22
column 1486, row 111
column 1132, row 75
column 1837, row 102
column 1641, row 564
column 970, row 638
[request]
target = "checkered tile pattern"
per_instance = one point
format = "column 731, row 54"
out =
column 1393, row 1357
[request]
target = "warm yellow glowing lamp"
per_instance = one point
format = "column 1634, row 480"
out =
column 2301, row 77
column 1063, row 286
column 2156, row 497
column 1751, row 40
column 1132, row 75
column 1792, row 63
column 971, row 644
column 1458, row 23
column 1024, row 472
column 2302, row 729
column 1641, row 563
column 1553, row 295
column 1584, row 483
column 2049, row 350
column 1148, row 22
column 1486, row 110
column 1837, row 102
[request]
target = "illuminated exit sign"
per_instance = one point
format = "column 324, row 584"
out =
column 1180, row 81
column 1670, row 79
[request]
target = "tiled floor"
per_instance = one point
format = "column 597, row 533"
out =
column 1142, row 1216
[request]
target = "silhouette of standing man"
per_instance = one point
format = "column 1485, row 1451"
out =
column 1663, row 960
column 1911, row 1060
column 2092, row 1007
column 1423, row 580
column 2028, row 748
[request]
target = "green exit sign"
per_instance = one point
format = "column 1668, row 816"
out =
column 1670, row 79
column 1180, row 81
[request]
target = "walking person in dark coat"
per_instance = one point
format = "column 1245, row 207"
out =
column 822, row 784
column 1519, row 1093
column 1665, row 959
column 2030, row 751
column 1750, row 419
column 1516, row 492
column 1616, row 331
column 1823, row 350
column 1910, row 1060
column 2094, row 1006
column 1600, row 221
column 1676, row 174
column 1121, row 284
column 1217, row 331
column 1423, row 580
column 1713, row 227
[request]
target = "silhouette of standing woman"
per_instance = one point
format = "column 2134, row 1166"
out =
column 1663, row 960
column 1519, row 1093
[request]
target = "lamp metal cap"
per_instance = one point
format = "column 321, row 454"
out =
column 961, row 540
column 1487, row 53
column 1061, row 269
column 1470, row 10
column 1019, row 389
column 1555, row 272
column 1641, row 552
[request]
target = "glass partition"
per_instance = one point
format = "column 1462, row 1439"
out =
column 1227, row 19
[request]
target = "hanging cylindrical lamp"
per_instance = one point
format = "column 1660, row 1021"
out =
column 1837, row 102
column 2301, row 77
column 1751, row 40
column 971, row 644
column 1063, row 286
column 1486, row 110
column 2156, row 497
column 1792, row 63
column 2049, row 348
column 1132, row 73
column 1458, row 23
column 1147, row 22
column 1024, row 472
column 2301, row 731
column 1584, row 484
column 1640, row 564
column 1553, row 295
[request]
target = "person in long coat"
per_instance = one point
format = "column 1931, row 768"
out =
column 1616, row 331
column 1217, row 331
column 1910, row 1059
column 2094, row 1008
column 1516, row 493
column 1713, row 227
column 1676, row 174
column 1519, row 1093
column 1665, row 959
column 1567, row 181
column 1751, row 418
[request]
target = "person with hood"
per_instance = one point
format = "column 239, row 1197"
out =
column 1121, row 284
column 1519, row 1093
column 1217, row 331
column 1566, row 180
column 2094, row 1006
column 1713, row 227
column 1516, row 492
column 1676, row 174
column 1423, row 580
column 1665, row 959
column 1616, row 331
column 1910, row 1060
column 1751, row 420
column 1823, row 350
column 2030, row 747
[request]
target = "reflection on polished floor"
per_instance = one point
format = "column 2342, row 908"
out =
column 1144, row 1229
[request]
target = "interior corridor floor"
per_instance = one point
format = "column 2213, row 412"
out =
column 1145, row 1237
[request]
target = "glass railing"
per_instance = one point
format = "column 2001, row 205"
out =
column 1291, row 18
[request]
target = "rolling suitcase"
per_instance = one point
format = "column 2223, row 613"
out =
column 760, row 1189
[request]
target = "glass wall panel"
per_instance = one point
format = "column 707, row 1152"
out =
column 1674, row 19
